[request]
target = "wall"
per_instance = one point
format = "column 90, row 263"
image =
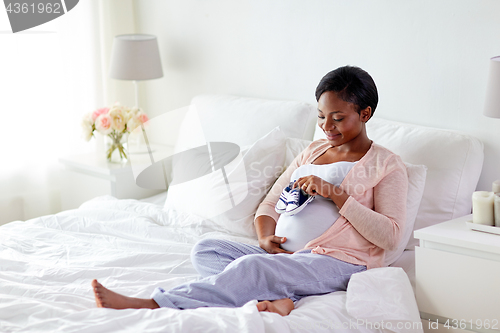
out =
column 429, row 58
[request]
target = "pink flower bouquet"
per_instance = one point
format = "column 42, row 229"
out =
column 114, row 122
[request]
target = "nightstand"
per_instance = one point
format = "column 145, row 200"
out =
column 90, row 175
column 458, row 276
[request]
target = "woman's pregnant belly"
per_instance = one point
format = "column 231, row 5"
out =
column 310, row 223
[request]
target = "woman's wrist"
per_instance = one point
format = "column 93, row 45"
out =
column 339, row 196
column 264, row 226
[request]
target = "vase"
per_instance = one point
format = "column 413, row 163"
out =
column 116, row 148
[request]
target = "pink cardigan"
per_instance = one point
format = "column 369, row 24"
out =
column 373, row 217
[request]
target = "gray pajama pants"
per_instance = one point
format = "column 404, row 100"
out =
column 235, row 273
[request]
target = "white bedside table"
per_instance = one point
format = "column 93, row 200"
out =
column 458, row 276
column 90, row 175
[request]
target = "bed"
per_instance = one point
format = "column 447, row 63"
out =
column 132, row 246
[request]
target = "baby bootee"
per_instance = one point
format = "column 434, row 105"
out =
column 282, row 203
column 298, row 200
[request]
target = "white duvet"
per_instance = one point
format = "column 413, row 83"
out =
column 47, row 264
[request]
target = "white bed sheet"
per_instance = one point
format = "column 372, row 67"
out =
column 47, row 263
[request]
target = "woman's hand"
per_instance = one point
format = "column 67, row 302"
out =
column 314, row 185
column 272, row 244
column 265, row 227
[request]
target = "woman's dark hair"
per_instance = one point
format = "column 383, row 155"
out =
column 352, row 84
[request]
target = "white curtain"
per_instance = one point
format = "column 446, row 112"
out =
column 50, row 76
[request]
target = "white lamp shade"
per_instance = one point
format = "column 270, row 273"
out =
column 135, row 57
column 492, row 105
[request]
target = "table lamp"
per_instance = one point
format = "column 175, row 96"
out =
column 492, row 105
column 135, row 57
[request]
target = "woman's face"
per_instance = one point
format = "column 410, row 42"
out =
column 339, row 119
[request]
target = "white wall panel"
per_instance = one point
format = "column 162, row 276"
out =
column 429, row 58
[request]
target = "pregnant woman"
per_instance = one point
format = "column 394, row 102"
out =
column 358, row 213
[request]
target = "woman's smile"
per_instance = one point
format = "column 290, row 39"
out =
column 332, row 136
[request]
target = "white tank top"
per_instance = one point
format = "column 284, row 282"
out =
column 319, row 214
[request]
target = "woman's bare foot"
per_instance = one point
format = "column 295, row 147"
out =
column 281, row 306
column 106, row 298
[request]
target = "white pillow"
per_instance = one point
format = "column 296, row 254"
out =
column 250, row 176
column 245, row 120
column 454, row 163
column 416, row 185
column 293, row 148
